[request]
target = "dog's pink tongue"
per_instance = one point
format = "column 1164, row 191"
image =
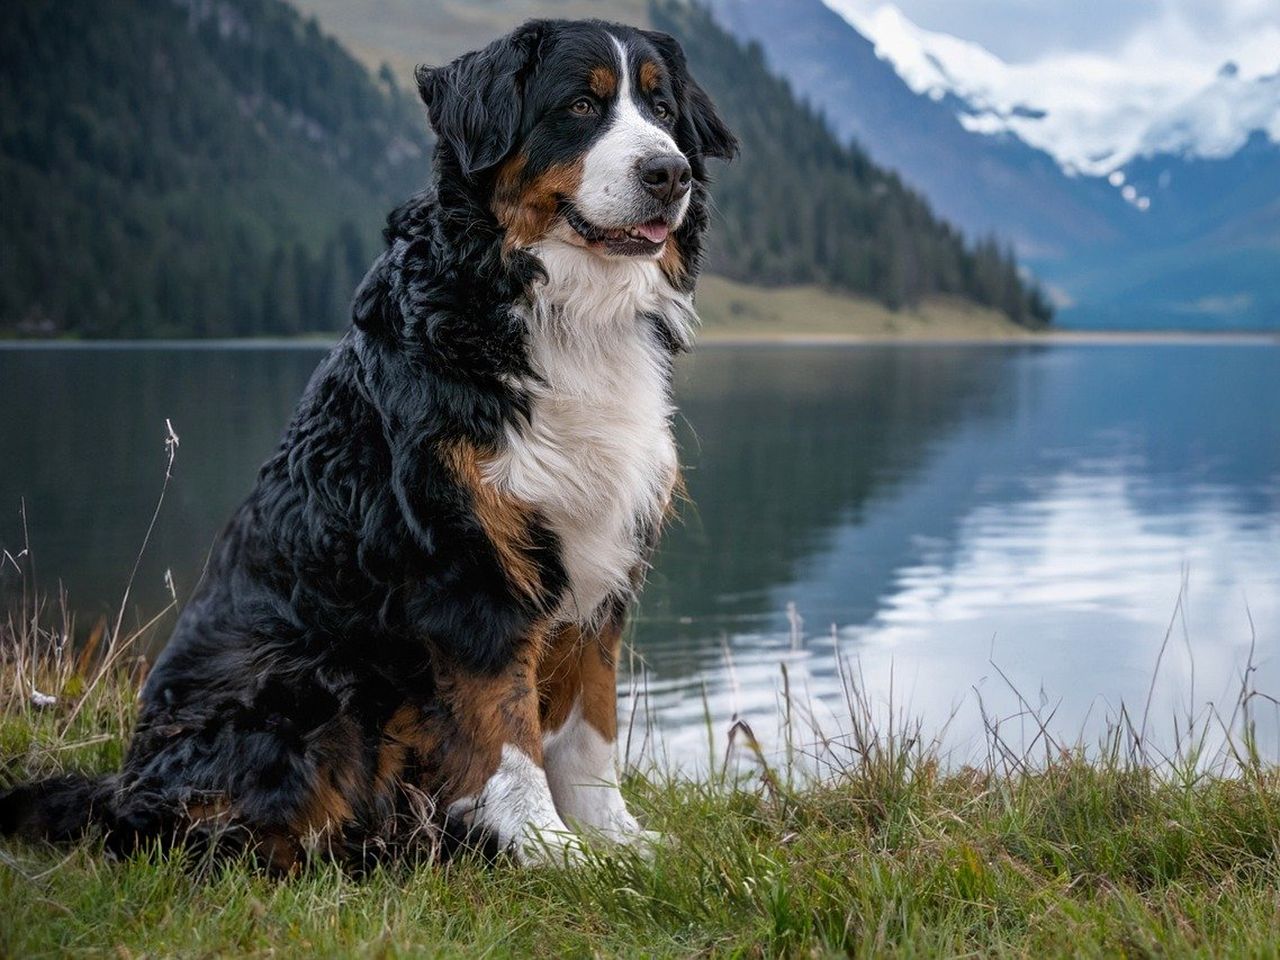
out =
column 655, row 231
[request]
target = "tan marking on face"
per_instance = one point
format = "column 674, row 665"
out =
column 650, row 75
column 671, row 262
column 581, row 667
column 506, row 521
column 603, row 82
column 528, row 207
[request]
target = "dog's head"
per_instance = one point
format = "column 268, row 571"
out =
column 582, row 132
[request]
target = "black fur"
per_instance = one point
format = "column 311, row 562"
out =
column 357, row 566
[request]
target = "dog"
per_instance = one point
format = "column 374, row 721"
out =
column 417, row 612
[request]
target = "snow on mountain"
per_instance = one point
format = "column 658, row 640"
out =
column 1093, row 114
column 1216, row 121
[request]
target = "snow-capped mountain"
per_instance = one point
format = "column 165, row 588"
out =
column 1218, row 120
column 984, row 183
column 1092, row 114
column 1146, row 192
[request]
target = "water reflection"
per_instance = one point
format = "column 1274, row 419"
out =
column 933, row 513
column 82, row 444
column 1032, row 518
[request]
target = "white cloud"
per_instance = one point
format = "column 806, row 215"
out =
column 1071, row 591
column 1029, row 30
column 1137, row 77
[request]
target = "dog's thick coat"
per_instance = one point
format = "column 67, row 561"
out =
column 418, row 608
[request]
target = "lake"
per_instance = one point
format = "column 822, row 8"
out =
column 966, row 529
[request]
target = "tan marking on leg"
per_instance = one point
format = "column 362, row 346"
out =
column 579, row 750
column 402, row 740
column 506, row 521
column 281, row 853
column 527, row 207
column 328, row 807
column 486, row 713
column 210, row 810
column 492, row 759
column 600, row 682
column 339, row 783
column 559, row 677
column 581, row 668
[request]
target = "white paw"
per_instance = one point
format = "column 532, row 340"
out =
column 643, row 842
column 623, row 830
column 549, row 848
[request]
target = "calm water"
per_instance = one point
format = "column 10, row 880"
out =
column 939, row 518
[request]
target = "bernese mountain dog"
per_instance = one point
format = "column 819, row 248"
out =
column 416, row 614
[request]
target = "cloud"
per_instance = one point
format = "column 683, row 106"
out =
column 1022, row 30
column 1140, row 77
column 1200, row 33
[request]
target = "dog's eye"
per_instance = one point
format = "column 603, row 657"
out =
column 583, row 106
column 662, row 111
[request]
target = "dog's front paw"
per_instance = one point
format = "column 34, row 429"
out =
column 623, row 830
column 645, row 843
column 549, row 848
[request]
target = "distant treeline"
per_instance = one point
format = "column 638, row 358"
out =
column 190, row 168
column 798, row 206
column 221, row 167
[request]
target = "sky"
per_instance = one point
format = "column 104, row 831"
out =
column 1199, row 31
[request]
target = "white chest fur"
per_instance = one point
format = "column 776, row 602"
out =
column 597, row 459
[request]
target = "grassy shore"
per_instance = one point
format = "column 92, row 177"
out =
column 1106, row 853
column 734, row 311
column 738, row 313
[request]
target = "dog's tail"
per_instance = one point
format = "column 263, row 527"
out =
column 57, row 809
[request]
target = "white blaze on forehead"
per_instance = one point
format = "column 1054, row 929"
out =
column 611, row 191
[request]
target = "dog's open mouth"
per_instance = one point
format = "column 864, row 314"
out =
column 636, row 240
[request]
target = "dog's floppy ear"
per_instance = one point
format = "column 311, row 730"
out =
column 475, row 102
column 699, row 120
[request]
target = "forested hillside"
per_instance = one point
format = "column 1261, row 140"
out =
column 220, row 168
column 202, row 167
column 801, row 207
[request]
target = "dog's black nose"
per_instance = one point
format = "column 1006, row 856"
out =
column 666, row 177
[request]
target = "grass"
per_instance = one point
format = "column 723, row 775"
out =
column 737, row 311
column 1109, row 852
column 860, row 841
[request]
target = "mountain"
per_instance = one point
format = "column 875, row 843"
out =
column 1089, row 113
column 800, row 207
column 1208, row 253
column 405, row 33
column 781, row 218
column 984, row 184
column 226, row 170
column 1140, row 207
column 199, row 167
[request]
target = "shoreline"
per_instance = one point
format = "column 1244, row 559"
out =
column 730, row 338
column 1047, row 337
column 882, row 850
